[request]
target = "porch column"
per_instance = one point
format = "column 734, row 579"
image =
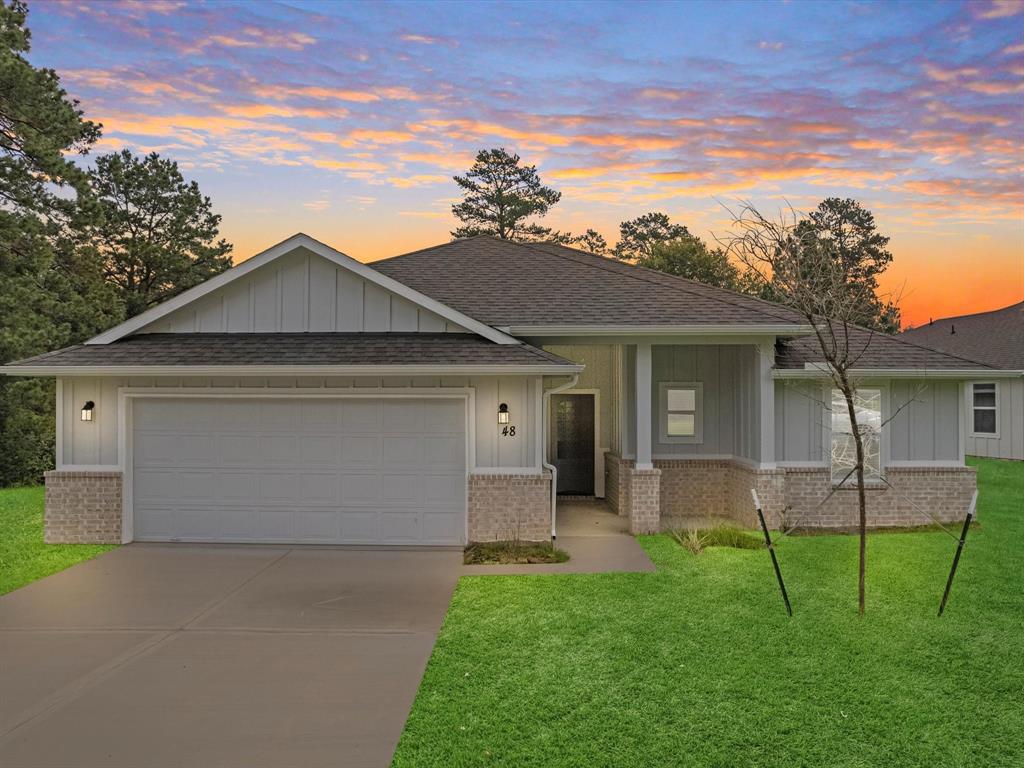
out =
column 644, row 479
column 643, row 406
column 766, row 406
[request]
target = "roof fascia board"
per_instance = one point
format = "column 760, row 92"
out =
column 301, row 240
column 676, row 340
column 659, row 330
column 898, row 373
column 288, row 370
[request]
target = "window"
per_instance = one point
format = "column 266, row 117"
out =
column 681, row 417
column 867, row 404
column 983, row 403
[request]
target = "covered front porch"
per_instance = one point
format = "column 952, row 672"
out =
column 666, row 432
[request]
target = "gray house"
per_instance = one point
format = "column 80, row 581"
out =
column 451, row 394
column 996, row 423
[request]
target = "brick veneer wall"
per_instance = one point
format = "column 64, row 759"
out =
column 616, row 483
column 944, row 491
column 506, row 507
column 82, row 507
column 645, row 500
column 692, row 488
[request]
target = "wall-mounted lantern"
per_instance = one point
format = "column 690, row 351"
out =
column 503, row 414
column 87, row 410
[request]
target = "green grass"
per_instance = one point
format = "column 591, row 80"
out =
column 23, row 555
column 697, row 664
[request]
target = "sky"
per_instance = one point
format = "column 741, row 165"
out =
column 347, row 120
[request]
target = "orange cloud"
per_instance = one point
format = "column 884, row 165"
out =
column 1000, row 9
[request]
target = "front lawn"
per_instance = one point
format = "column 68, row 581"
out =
column 23, row 555
column 697, row 664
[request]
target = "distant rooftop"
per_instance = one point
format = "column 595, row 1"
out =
column 995, row 337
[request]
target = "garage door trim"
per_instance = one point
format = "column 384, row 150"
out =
column 128, row 394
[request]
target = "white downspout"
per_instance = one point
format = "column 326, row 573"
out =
column 547, row 433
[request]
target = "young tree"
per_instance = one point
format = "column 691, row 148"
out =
column 499, row 195
column 690, row 257
column 804, row 266
column 591, row 241
column 48, row 296
column 637, row 237
column 158, row 235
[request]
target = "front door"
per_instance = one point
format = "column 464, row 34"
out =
column 574, row 443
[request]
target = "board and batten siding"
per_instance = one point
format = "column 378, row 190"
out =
column 301, row 292
column 1010, row 422
column 94, row 444
column 923, row 421
column 731, row 402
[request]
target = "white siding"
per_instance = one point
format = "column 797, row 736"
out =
column 1010, row 414
column 297, row 293
column 95, row 443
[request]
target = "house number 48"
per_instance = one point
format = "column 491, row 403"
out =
column 508, row 430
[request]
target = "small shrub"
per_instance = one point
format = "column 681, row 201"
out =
column 512, row 552
column 696, row 540
column 691, row 539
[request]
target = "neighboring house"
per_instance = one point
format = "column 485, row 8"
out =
column 996, row 423
column 429, row 398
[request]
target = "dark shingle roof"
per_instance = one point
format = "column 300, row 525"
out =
column 522, row 284
column 295, row 349
column 996, row 337
column 880, row 351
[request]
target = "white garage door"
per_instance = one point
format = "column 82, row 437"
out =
column 286, row 470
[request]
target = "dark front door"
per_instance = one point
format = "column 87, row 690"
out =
column 574, row 443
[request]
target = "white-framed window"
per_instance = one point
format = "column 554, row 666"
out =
column 984, row 409
column 867, row 403
column 681, row 411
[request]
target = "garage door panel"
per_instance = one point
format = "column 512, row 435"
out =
column 360, row 450
column 320, row 450
column 330, row 471
column 361, row 416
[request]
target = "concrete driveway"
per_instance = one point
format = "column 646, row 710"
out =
column 182, row 656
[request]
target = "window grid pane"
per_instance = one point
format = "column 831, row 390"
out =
column 681, row 424
column 867, row 405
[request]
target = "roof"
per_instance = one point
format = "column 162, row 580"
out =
column 881, row 352
column 995, row 337
column 515, row 285
column 295, row 350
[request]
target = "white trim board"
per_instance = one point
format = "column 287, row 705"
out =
column 125, row 396
column 290, row 370
column 301, row 240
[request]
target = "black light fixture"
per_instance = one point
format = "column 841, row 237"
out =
column 87, row 410
column 503, row 413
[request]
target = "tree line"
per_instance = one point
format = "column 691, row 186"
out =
column 80, row 249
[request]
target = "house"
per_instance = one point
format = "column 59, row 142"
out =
column 995, row 406
column 450, row 394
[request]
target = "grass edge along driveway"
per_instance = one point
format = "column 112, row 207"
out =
column 697, row 664
column 24, row 557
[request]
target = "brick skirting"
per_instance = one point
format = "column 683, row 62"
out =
column 917, row 496
column 82, row 507
column 690, row 489
column 509, row 507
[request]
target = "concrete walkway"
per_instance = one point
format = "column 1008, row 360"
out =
column 219, row 656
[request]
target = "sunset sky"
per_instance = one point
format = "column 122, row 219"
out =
column 347, row 121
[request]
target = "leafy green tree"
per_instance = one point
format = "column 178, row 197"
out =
column 637, row 237
column 690, row 257
column 499, row 195
column 158, row 235
column 591, row 241
column 50, row 294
